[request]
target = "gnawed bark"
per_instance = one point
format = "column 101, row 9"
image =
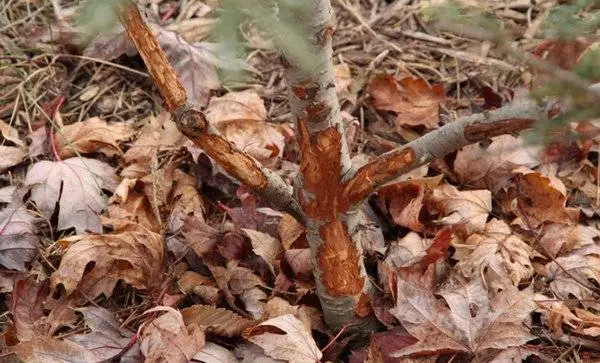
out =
column 510, row 119
column 338, row 268
column 192, row 123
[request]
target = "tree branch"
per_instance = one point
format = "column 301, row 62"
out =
column 435, row 144
column 193, row 124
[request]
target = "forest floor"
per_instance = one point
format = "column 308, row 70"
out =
column 120, row 239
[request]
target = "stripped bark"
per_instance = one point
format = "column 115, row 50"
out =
column 510, row 119
column 338, row 267
column 192, row 123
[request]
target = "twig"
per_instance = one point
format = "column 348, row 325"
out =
column 192, row 123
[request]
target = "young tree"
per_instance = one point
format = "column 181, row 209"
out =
column 329, row 191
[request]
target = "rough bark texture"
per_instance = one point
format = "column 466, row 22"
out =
column 338, row 268
column 192, row 123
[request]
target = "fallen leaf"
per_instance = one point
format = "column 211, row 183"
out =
column 167, row 339
column 199, row 236
column 7, row 193
column 491, row 167
column 497, row 255
column 48, row 349
column 92, row 135
column 577, row 274
column 129, row 203
column 215, row 320
column 214, row 353
column 11, row 156
column 106, row 339
column 76, row 184
column 285, row 338
column 265, row 246
column 19, row 243
column 538, row 201
column 471, row 321
column 133, row 254
column 27, row 308
column 469, row 208
column 408, row 251
column 557, row 237
column 195, row 64
column 290, row 230
column 11, row 134
column 412, row 99
column 240, row 116
column 404, row 202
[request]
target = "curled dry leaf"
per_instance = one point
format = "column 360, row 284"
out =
column 491, row 167
column 240, row 116
column 577, row 274
column 285, row 338
column 497, row 254
column 11, row 134
column 129, row 203
column 193, row 282
column 404, row 202
column 407, row 251
column 199, row 236
column 76, row 184
column 556, row 238
column 132, row 254
column 265, row 246
column 539, row 201
column 290, row 230
column 167, row 339
column 471, row 322
column 92, row 135
column 11, row 156
column 18, row 242
column 412, row 99
column 215, row 320
column 469, row 208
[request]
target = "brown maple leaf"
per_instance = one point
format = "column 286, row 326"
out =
column 92, row 135
column 76, row 184
column 412, row 99
column 471, row 321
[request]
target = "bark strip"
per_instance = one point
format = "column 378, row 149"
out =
column 192, row 123
column 509, row 119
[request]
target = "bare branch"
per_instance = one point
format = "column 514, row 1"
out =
column 192, row 123
column 451, row 137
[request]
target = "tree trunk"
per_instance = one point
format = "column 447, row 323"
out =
column 324, row 162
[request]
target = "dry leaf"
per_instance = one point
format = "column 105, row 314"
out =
column 199, row 236
column 27, row 307
column 412, row 99
column 471, row 321
column 133, row 254
column 166, row 338
column 285, row 338
column 497, row 255
column 48, row 349
column 131, row 204
column 404, row 202
column 577, row 274
column 538, row 201
column 18, row 242
column 106, row 339
column 214, row 353
column 559, row 237
column 290, row 230
column 77, row 185
column 469, row 208
column 240, row 116
column 11, row 134
column 492, row 167
column 408, row 251
column 215, row 320
column 195, row 63
column 11, row 156
column 265, row 246
column 92, row 135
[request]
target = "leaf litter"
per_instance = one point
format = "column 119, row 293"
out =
column 121, row 240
